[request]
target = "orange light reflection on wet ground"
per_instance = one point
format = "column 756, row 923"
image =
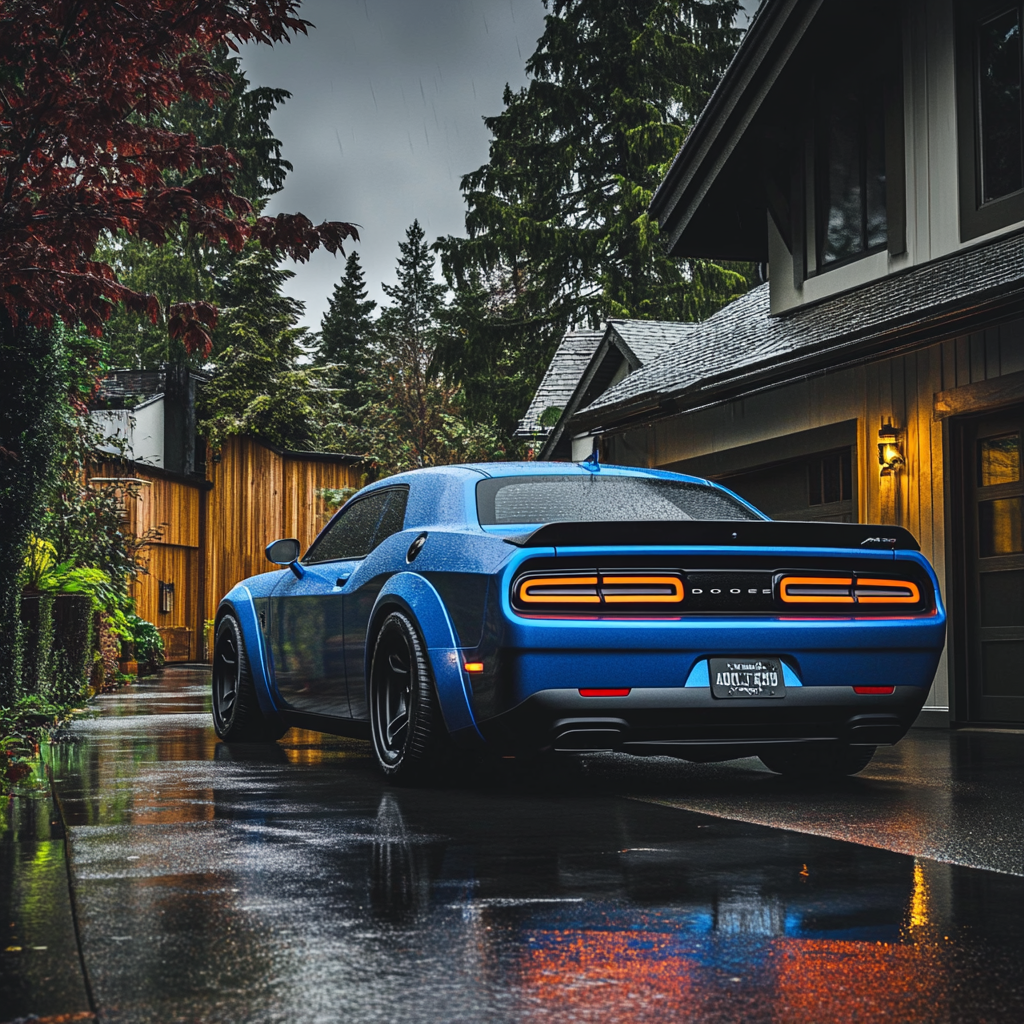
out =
column 301, row 746
column 641, row 976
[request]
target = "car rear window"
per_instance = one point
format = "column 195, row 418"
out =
column 506, row 501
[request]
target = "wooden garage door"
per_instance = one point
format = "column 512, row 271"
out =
column 816, row 487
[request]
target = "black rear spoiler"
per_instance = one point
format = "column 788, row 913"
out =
column 718, row 533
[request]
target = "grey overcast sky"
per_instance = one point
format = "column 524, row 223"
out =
column 385, row 117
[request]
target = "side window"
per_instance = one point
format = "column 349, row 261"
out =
column 393, row 519
column 351, row 534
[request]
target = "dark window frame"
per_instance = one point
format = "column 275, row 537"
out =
column 977, row 217
column 805, row 204
column 347, row 507
column 821, row 188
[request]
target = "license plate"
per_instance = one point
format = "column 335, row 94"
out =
column 746, row 677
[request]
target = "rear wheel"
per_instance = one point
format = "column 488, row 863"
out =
column 409, row 735
column 809, row 762
column 237, row 717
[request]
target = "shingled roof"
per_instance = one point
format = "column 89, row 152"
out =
column 650, row 339
column 744, row 346
column 563, row 374
column 625, row 346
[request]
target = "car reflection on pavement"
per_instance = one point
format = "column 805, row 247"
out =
column 260, row 883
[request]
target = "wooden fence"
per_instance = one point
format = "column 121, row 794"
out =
column 201, row 536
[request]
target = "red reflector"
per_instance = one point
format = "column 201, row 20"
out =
column 874, row 689
column 617, row 692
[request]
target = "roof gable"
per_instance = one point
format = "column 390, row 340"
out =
column 561, row 377
column 626, row 346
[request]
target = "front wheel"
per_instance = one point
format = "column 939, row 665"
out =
column 409, row 735
column 237, row 717
column 814, row 762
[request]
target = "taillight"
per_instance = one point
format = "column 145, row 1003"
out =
column 887, row 592
column 641, row 589
column 847, row 590
column 559, row 590
column 600, row 589
column 815, row 590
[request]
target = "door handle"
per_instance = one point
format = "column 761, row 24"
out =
column 342, row 580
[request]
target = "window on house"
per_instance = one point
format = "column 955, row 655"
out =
column 849, row 161
column 830, row 479
column 999, row 105
column 990, row 115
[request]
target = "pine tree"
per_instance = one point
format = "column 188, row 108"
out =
column 259, row 387
column 417, row 298
column 347, row 332
column 557, row 223
column 410, row 414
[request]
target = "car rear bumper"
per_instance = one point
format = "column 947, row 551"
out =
column 689, row 722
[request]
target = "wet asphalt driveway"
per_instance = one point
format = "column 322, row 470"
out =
column 229, row 884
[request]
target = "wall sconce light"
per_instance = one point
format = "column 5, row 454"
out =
column 166, row 597
column 890, row 455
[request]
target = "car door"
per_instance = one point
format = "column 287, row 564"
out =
column 307, row 614
column 359, row 597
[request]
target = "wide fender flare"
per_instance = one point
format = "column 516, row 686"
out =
column 423, row 603
column 239, row 602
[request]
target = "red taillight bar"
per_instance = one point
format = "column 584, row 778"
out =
column 843, row 590
column 611, row 588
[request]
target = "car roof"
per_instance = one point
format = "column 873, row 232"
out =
column 500, row 469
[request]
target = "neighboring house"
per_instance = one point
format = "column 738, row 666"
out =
column 586, row 364
column 205, row 517
column 872, row 155
column 548, row 407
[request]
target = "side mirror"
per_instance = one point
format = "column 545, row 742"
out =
column 284, row 552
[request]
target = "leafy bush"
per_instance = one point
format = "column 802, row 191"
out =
column 38, row 562
column 334, row 497
column 149, row 645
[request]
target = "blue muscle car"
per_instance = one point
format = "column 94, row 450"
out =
column 529, row 607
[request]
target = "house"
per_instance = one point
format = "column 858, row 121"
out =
column 203, row 517
column 871, row 156
column 584, row 366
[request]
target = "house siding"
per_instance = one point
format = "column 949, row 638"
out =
column 260, row 495
column 901, row 389
column 205, row 536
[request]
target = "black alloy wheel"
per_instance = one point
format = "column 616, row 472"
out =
column 236, row 711
column 408, row 732
column 815, row 761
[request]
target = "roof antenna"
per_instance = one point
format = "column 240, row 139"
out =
column 593, row 461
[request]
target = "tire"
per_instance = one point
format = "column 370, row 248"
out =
column 410, row 740
column 814, row 762
column 237, row 717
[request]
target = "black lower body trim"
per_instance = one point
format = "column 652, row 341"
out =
column 326, row 723
column 688, row 722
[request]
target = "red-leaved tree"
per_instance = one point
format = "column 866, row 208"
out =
column 83, row 151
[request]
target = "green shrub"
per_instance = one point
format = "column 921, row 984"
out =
column 149, row 645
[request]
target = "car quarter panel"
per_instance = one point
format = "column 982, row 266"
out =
column 413, row 594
